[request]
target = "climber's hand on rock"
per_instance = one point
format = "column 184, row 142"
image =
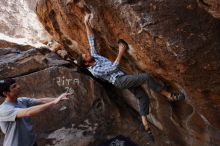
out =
column 122, row 48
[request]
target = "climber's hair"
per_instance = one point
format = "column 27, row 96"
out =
column 5, row 85
column 79, row 61
column 121, row 41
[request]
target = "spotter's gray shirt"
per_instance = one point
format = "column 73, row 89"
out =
column 17, row 131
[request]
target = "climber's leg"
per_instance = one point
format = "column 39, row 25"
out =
column 144, row 111
column 143, row 98
column 128, row 81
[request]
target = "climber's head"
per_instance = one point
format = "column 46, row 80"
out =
column 122, row 44
column 85, row 60
column 9, row 88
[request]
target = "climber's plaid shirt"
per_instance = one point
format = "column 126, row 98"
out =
column 103, row 68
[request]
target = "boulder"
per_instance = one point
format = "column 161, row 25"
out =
column 175, row 41
column 90, row 117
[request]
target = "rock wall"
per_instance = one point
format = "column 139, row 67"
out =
column 176, row 41
column 18, row 20
column 88, row 118
column 212, row 6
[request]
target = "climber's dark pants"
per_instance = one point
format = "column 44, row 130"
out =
column 133, row 83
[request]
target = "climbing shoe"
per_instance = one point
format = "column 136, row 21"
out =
column 148, row 135
column 177, row 96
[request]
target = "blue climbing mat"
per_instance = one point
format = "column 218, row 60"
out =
column 119, row 141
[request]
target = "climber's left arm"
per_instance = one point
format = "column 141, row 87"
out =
column 121, row 52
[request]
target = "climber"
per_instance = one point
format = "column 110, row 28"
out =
column 15, row 113
column 104, row 69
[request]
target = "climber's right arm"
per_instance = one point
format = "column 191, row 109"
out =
column 91, row 36
column 88, row 27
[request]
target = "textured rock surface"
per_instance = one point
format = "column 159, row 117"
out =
column 8, row 44
column 212, row 6
column 18, row 20
column 15, row 62
column 177, row 41
column 88, row 118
